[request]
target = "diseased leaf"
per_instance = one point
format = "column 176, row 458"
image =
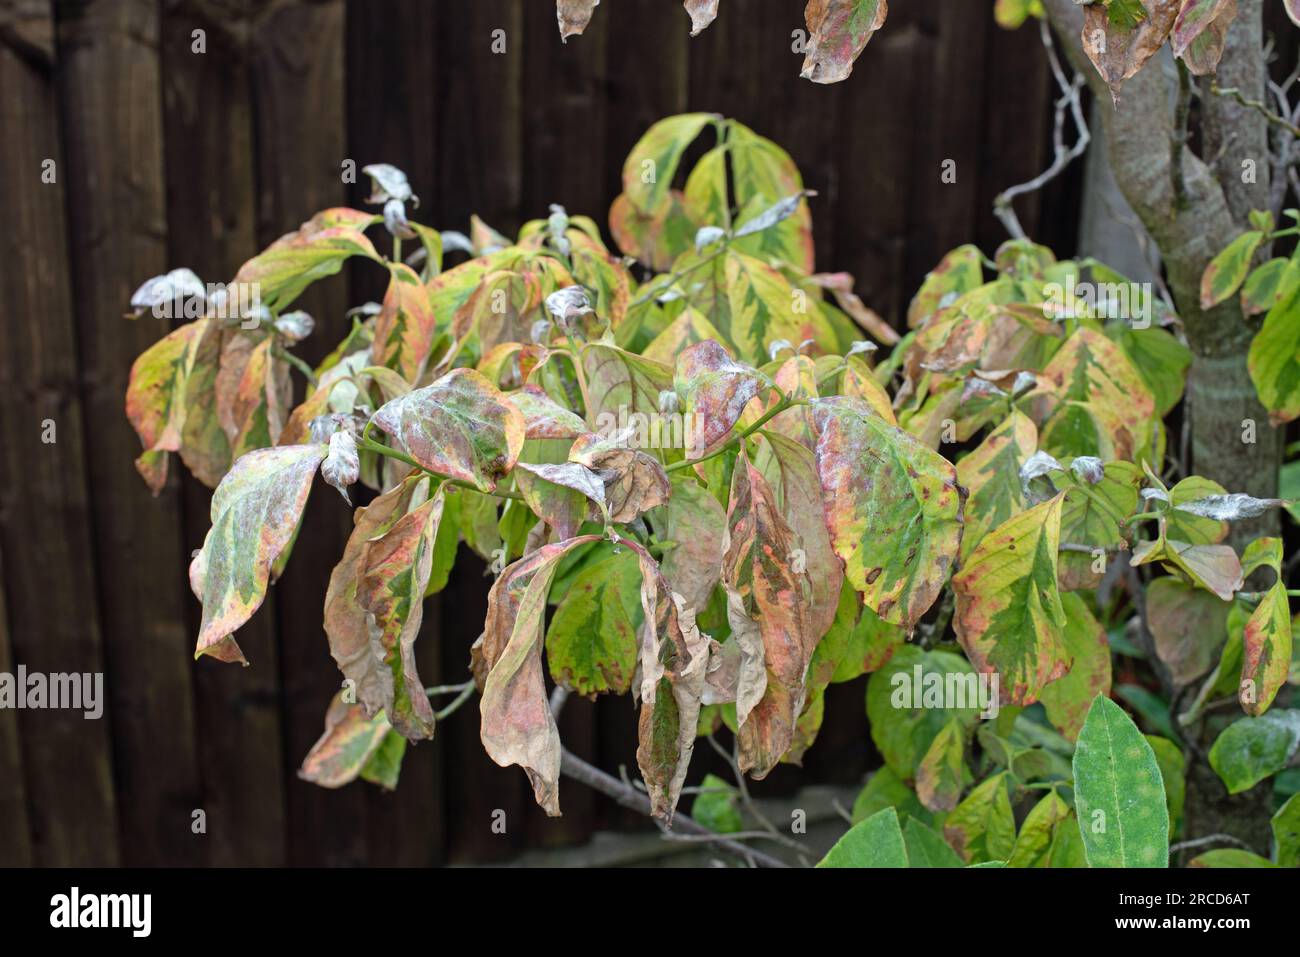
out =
column 1119, row 792
column 696, row 525
column 404, row 328
column 155, row 398
column 991, row 476
column 757, row 306
column 1227, row 271
column 1215, row 568
column 714, row 389
column 1252, row 749
column 1095, row 519
column 460, row 426
column 1266, row 640
column 939, row 776
column 958, row 272
column 1068, row 698
column 622, row 385
column 875, row 842
column 634, row 481
column 1009, row 616
column 837, row 32
column 1037, row 836
column 982, row 827
column 894, row 506
column 1203, row 53
column 650, row 167
column 342, row 465
column 316, row 250
column 350, row 741
column 1189, row 626
column 559, row 494
column 255, row 514
column 544, row 418
column 1274, row 359
column 1268, row 285
column 591, row 645
column 1119, row 51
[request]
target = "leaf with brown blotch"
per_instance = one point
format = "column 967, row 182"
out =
column 634, row 481
column 155, row 398
column 461, row 426
column 353, row 644
column 893, row 506
column 702, row 13
column 350, row 740
column 837, row 32
column 559, row 494
column 1203, row 52
column 544, row 418
column 404, row 328
column 759, row 565
column 1118, row 52
column 205, row 450
column 394, row 574
column 1009, row 618
column 573, row 16
column 255, row 514
column 253, row 392
column 1067, row 699
column 714, row 389
column 1189, row 626
column 791, row 470
column 517, row 725
column 1267, row 639
column 695, row 523
column 940, row 775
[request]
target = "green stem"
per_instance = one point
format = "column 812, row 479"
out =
column 297, row 363
column 677, row 277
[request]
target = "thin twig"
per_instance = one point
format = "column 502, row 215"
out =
column 1233, row 93
column 1210, row 839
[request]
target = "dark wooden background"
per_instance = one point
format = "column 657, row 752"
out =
column 167, row 158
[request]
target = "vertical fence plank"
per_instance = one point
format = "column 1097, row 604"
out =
column 211, row 229
column 15, row 836
column 300, row 138
column 110, row 90
column 392, row 118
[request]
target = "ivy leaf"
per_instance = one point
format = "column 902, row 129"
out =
column 940, row 775
column 758, row 569
column 982, row 827
column 461, row 426
column 1252, row 749
column 394, row 574
column 316, row 250
column 1118, row 791
column 1009, row 617
column 1119, row 47
column 1033, row 847
column 517, row 725
column 255, row 514
column 1274, row 359
column 894, row 507
column 875, row 842
column 714, row 389
column 350, row 741
column 155, row 398
column 1067, row 699
column 591, row 645
column 405, row 326
column 837, row 32
column 991, row 476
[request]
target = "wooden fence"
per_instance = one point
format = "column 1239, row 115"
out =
column 123, row 153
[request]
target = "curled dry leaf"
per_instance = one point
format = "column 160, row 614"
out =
column 573, row 16
column 350, row 740
column 837, row 32
column 702, row 12
column 255, row 513
column 1205, row 48
column 1119, row 52
column 634, row 481
column 558, row 494
column 342, row 466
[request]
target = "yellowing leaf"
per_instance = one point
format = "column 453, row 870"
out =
column 1067, row 699
column 894, row 508
column 1227, row 271
column 1274, row 359
column 1266, row 641
column 939, row 776
column 404, row 329
column 155, row 397
column 1009, row 616
column 982, row 827
column 991, row 476
column 316, row 250
column 649, row 168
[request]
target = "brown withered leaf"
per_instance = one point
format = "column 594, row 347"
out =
column 517, row 725
column 634, row 481
column 573, row 16
column 759, row 565
column 1117, row 52
column 702, row 12
column 1203, row 53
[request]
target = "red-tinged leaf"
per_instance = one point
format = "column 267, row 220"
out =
column 253, row 393
column 759, row 568
column 654, row 238
column 940, row 775
column 559, row 494
column 702, row 13
column 1203, row 54
column 634, row 481
column 573, row 16
column 1189, row 626
column 404, row 329
column 394, row 573
column 893, row 506
column 1193, row 18
column 255, row 514
column 1067, row 699
column 837, row 32
column 791, row 470
column 517, row 724
column 347, row 623
column 1215, row 568
column 461, row 426
column 316, row 250
column 622, row 385
column 350, row 740
column 501, row 309
column 544, row 418
column 205, row 450
column 1009, row 617
column 696, row 524
column 155, row 397
column 686, row 330
column 715, row 389
column 1267, row 639
column 1118, row 52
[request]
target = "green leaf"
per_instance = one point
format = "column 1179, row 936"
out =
column 894, row 507
column 384, row 766
column 255, row 514
column 875, row 842
column 959, row 271
column 982, row 827
column 884, row 789
column 758, row 306
column 1268, row 285
column 1229, row 857
column 1009, row 617
column 1038, row 833
column 925, row 848
column 461, row 426
column 1119, row 792
column 1093, row 516
column 763, row 175
column 1274, row 359
column 1286, row 833
column 1174, row 775
column 1227, row 271
column 717, row 806
column 591, row 646
column 1067, row 699
column 650, row 167
column 1252, row 749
